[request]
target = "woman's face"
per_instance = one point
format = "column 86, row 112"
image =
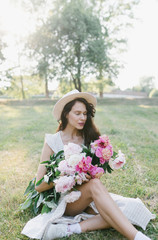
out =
column 77, row 116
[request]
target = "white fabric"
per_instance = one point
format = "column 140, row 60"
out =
column 74, row 228
column 133, row 209
column 141, row 236
column 54, row 141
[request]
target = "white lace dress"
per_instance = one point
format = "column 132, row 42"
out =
column 133, row 209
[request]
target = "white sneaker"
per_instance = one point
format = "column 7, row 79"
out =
column 141, row 236
column 54, row 231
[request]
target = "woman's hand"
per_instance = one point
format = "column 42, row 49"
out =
column 88, row 177
column 99, row 175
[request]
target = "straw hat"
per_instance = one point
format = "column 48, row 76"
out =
column 59, row 106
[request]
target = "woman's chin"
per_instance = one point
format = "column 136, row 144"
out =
column 80, row 127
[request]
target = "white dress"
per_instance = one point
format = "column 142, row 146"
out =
column 133, row 209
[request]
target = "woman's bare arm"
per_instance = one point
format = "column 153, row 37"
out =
column 46, row 152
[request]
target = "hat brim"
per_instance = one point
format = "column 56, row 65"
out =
column 59, row 106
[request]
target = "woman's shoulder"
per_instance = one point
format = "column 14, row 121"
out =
column 52, row 136
column 54, row 141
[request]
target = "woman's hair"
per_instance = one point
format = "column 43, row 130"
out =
column 89, row 132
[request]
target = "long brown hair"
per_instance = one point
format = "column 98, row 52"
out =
column 89, row 132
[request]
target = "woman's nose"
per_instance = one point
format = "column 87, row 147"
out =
column 83, row 116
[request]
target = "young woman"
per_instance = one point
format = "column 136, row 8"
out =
column 75, row 111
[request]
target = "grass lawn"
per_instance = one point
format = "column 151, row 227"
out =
column 132, row 126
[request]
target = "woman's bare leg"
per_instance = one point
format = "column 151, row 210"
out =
column 94, row 223
column 95, row 191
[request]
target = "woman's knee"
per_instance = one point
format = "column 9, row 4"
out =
column 96, row 185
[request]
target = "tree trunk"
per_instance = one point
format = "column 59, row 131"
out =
column 79, row 85
column 78, row 55
column 21, row 77
column 101, row 87
column 74, row 81
column 101, row 94
column 22, row 87
column 46, row 86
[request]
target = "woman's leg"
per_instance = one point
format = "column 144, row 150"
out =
column 94, row 223
column 95, row 191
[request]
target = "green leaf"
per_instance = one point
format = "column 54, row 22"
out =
column 59, row 153
column 109, row 169
column 57, row 173
column 35, row 208
column 114, row 154
column 45, row 209
column 26, row 204
column 40, row 181
column 30, row 187
column 52, row 157
column 40, row 200
column 33, row 194
column 51, row 204
column 45, row 162
column 55, row 195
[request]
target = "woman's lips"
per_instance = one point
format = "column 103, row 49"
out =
column 81, row 124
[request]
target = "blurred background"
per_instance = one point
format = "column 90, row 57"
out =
column 108, row 48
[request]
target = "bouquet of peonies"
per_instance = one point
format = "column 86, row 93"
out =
column 69, row 168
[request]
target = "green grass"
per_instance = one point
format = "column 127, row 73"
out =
column 132, row 126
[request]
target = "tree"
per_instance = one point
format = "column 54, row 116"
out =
column 2, row 58
column 79, row 37
column 147, row 84
column 115, row 17
column 103, row 64
column 39, row 42
column 68, row 34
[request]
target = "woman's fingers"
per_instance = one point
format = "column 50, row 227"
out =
column 88, row 176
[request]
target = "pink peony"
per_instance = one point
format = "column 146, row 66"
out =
column 64, row 184
column 106, row 154
column 84, row 164
column 65, row 169
column 119, row 161
column 103, row 141
column 94, row 146
column 71, row 149
column 96, row 172
column 98, row 152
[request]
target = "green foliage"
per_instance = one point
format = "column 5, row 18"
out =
column 75, row 28
column 39, row 202
column 78, row 37
column 153, row 93
column 33, row 86
column 1, row 51
column 146, row 84
column 43, row 202
column 65, row 86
